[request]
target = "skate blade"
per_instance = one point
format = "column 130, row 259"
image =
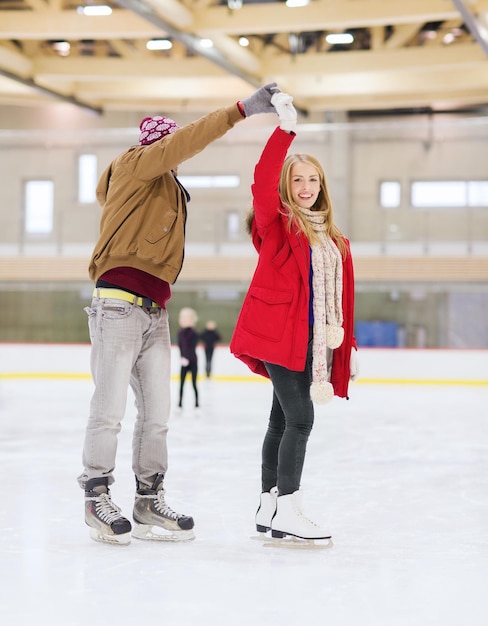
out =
column 155, row 533
column 296, row 543
column 114, row 540
column 260, row 537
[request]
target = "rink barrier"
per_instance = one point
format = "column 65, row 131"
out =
column 250, row 378
column 377, row 366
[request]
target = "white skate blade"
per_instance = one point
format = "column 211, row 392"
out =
column 156, row 533
column 297, row 543
column 260, row 537
column 114, row 540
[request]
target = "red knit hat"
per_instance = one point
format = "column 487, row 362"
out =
column 154, row 128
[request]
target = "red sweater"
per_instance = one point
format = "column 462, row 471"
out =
column 273, row 324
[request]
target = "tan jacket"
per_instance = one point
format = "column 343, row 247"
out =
column 144, row 210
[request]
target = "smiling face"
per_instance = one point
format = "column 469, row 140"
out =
column 304, row 184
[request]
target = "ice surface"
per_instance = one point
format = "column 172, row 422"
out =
column 399, row 473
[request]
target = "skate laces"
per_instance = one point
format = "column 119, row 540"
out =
column 304, row 517
column 106, row 510
column 309, row 521
column 165, row 510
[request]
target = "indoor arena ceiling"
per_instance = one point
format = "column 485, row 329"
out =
column 404, row 54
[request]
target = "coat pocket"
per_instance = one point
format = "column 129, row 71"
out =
column 281, row 257
column 162, row 228
column 267, row 312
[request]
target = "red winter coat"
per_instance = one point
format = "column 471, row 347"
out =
column 273, row 324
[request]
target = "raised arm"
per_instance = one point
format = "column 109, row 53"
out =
column 266, row 198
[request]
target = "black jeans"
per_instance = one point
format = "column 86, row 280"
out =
column 289, row 427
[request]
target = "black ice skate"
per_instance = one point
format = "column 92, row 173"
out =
column 103, row 516
column 155, row 520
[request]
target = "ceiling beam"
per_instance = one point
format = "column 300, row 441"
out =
column 266, row 18
column 191, row 41
column 28, row 82
column 399, row 61
column 478, row 31
column 70, row 25
column 332, row 15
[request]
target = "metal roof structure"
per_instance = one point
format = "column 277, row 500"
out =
column 404, row 54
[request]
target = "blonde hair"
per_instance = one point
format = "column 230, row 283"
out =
column 187, row 317
column 322, row 204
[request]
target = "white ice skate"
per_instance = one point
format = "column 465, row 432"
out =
column 265, row 512
column 291, row 528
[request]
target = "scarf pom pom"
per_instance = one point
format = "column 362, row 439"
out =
column 334, row 336
column 321, row 392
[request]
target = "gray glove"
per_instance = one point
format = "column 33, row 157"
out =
column 260, row 101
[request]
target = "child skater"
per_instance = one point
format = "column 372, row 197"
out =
column 187, row 343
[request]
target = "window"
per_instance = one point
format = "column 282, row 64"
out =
column 390, row 194
column 39, row 207
column 478, row 193
column 453, row 193
column 87, row 178
column 233, row 224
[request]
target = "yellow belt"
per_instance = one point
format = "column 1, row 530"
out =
column 120, row 294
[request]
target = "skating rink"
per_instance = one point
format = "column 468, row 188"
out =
column 399, row 474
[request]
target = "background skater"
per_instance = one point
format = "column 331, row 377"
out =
column 187, row 343
column 210, row 338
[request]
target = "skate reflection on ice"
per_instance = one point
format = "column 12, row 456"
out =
column 297, row 543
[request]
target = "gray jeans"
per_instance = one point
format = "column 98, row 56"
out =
column 130, row 346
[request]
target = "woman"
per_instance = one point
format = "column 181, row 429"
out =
column 296, row 323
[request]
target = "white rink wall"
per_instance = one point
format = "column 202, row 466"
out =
column 375, row 364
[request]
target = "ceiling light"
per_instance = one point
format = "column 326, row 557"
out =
column 63, row 48
column 101, row 9
column 234, row 4
column 206, row 43
column 159, row 44
column 296, row 3
column 339, row 38
column 243, row 41
column 293, row 41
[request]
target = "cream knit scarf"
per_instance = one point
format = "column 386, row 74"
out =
column 327, row 305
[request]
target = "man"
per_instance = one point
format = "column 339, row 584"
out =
column 138, row 256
